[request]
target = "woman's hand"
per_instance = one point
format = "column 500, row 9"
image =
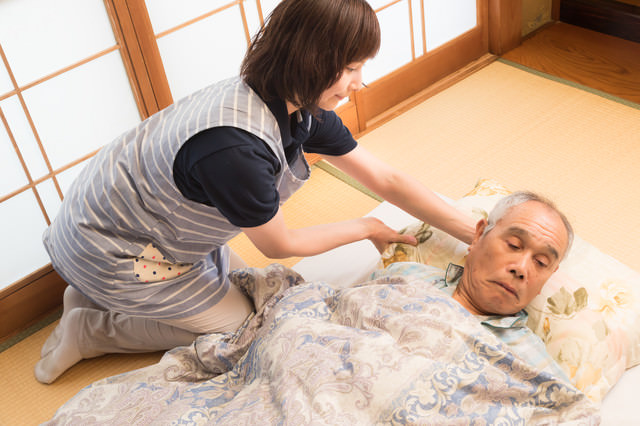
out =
column 381, row 235
column 276, row 241
column 404, row 191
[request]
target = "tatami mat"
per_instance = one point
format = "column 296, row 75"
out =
column 24, row 401
column 521, row 129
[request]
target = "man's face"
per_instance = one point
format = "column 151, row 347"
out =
column 507, row 267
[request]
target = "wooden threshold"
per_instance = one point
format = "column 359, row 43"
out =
column 29, row 300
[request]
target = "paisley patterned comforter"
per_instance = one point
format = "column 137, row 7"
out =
column 388, row 351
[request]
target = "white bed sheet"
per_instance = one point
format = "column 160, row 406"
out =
column 354, row 263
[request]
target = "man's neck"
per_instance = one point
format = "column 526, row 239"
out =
column 463, row 298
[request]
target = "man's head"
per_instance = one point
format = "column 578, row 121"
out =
column 513, row 254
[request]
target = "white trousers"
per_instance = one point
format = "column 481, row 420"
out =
column 101, row 332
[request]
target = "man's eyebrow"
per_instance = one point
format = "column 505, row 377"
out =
column 515, row 230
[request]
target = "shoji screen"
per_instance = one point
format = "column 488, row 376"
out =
column 68, row 86
column 64, row 93
column 204, row 41
column 201, row 42
column 411, row 28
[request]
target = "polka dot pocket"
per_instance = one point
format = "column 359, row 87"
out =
column 152, row 266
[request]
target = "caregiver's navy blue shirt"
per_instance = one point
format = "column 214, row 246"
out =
column 234, row 170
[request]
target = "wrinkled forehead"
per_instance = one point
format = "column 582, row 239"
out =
column 538, row 223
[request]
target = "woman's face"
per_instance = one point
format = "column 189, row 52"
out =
column 350, row 80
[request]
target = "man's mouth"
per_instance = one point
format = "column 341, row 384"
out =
column 508, row 288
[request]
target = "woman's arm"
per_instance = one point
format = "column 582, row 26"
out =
column 404, row 191
column 277, row 241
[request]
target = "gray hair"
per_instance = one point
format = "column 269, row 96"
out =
column 520, row 197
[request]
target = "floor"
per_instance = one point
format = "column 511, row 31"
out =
column 587, row 58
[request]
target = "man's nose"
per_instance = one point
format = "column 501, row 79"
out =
column 518, row 267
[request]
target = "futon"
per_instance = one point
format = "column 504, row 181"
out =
column 336, row 340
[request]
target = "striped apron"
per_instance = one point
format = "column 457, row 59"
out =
column 124, row 213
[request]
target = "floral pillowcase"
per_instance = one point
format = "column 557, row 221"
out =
column 588, row 313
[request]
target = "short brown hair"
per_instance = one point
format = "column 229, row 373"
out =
column 305, row 45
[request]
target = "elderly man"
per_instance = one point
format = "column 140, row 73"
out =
column 512, row 255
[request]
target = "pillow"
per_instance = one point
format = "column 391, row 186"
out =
column 587, row 314
column 437, row 248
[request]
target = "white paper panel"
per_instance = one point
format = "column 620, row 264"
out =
column 23, row 134
column 445, row 20
column 268, row 6
column 42, row 36
column 416, row 11
column 377, row 4
column 5, row 81
column 83, row 109
column 204, row 52
column 66, row 178
column 21, row 227
column 49, row 197
column 13, row 176
column 395, row 46
column 167, row 14
column 253, row 18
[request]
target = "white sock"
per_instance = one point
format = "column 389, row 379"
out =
column 52, row 341
column 72, row 299
column 65, row 354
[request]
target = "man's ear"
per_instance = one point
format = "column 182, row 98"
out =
column 480, row 226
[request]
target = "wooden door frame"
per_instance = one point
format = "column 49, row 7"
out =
column 140, row 54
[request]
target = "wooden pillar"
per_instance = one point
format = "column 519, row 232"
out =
column 505, row 25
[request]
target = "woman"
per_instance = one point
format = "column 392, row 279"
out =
column 141, row 235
